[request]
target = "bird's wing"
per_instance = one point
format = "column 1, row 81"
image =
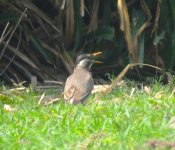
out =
column 69, row 89
column 74, row 91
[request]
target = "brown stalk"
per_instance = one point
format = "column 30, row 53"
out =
column 20, row 55
column 5, row 45
column 146, row 24
column 66, row 59
column 63, row 4
column 69, row 63
column 54, row 100
column 8, row 32
column 119, row 77
column 94, row 17
column 41, row 23
column 2, row 36
column 82, row 8
column 70, row 23
column 53, row 82
column 49, row 48
column 157, row 18
column 125, row 27
column 28, row 4
column 122, row 74
column 5, row 68
column 21, row 67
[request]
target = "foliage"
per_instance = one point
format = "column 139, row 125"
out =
column 44, row 42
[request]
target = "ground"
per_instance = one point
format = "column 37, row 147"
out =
column 130, row 117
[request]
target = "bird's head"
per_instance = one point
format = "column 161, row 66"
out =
column 87, row 60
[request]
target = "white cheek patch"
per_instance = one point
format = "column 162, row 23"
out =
column 71, row 101
column 81, row 63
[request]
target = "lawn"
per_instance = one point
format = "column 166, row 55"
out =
column 127, row 118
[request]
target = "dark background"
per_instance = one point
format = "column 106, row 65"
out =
column 46, row 40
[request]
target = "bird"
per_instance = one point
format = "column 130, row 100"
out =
column 80, row 83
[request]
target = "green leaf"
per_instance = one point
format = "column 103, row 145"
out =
column 167, row 23
column 158, row 38
column 78, row 26
column 103, row 33
column 138, row 19
column 40, row 49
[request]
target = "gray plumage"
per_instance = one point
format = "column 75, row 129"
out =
column 78, row 86
column 80, row 83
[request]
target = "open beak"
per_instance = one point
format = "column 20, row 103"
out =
column 98, row 62
column 96, row 54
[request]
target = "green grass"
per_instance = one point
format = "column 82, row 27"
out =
column 118, row 121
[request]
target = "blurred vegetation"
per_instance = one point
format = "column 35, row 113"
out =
column 42, row 37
